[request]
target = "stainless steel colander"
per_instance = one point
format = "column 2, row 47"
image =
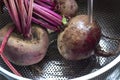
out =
column 55, row 67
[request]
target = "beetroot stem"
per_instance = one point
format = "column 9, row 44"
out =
column 10, row 65
column 50, row 2
column 15, row 14
column 44, row 24
column 22, row 14
column 50, row 12
column 10, row 12
column 40, row 10
column 2, row 49
column 29, row 17
column 26, row 5
column 44, row 4
column 46, row 19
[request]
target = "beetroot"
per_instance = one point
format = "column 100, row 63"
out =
column 67, row 8
column 79, row 39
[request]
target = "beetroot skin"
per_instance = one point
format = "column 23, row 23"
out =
column 22, row 51
column 79, row 39
column 67, row 8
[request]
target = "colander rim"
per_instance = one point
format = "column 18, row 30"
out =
column 85, row 77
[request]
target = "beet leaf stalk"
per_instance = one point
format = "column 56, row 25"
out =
column 29, row 19
column 47, row 4
column 52, row 18
column 43, row 15
column 20, row 16
column 10, row 4
column 50, row 2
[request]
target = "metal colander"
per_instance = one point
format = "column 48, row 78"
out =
column 55, row 67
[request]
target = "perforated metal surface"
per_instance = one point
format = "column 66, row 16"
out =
column 107, row 14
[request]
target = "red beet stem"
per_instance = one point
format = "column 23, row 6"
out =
column 26, row 4
column 46, row 19
column 22, row 13
column 48, row 13
column 29, row 18
column 50, row 2
column 44, row 5
column 15, row 14
column 10, row 65
column 44, row 24
column 2, row 49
